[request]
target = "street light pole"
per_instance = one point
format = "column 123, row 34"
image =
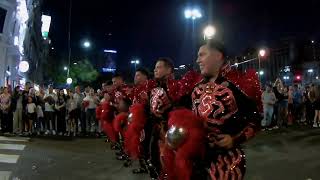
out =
column 135, row 62
column 193, row 14
column 69, row 39
column 261, row 53
column 259, row 64
column 313, row 49
column 193, row 42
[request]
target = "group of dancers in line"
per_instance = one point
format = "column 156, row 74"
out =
column 191, row 128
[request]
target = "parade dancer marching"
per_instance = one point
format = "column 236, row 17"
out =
column 229, row 104
column 122, row 94
column 166, row 95
column 135, row 134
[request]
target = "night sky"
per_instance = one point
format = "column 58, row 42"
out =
column 157, row 28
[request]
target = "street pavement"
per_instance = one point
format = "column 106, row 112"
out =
column 290, row 154
column 11, row 150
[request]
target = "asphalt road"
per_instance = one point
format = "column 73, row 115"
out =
column 291, row 154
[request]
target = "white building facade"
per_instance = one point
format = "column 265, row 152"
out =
column 14, row 18
column 21, row 40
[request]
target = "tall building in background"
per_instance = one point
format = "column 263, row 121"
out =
column 109, row 64
column 14, row 17
column 36, row 44
column 22, row 47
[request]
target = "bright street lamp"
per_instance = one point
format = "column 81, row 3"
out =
column 209, row 32
column 310, row 70
column 262, row 52
column 298, row 77
column 69, row 81
column 135, row 62
column 86, row 44
column 23, row 66
column 193, row 13
column 110, row 51
column 261, row 73
column 65, row 68
column 286, row 77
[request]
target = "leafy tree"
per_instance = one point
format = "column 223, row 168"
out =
column 83, row 72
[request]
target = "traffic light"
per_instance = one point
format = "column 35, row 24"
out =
column 297, row 78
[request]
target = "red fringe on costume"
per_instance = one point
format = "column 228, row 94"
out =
column 119, row 121
column 248, row 83
column 133, row 133
column 178, row 162
column 107, row 114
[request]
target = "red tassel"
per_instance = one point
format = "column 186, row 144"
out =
column 132, row 145
column 183, row 167
column 109, row 131
column 193, row 146
column 107, row 114
column 133, row 133
column 118, row 122
column 168, row 160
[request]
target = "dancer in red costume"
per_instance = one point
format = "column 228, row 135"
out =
column 229, row 104
column 135, row 130
column 110, row 108
column 165, row 94
column 106, row 113
column 121, row 97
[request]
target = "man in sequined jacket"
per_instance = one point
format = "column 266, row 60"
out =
column 229, row 102
column 160, row 105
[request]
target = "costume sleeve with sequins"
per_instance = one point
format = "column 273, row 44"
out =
column 246, row 89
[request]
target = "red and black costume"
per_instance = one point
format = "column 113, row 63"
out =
column 137, row 119
column 164, row 96
column 231, row 105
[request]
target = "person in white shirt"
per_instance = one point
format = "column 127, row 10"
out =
column 31, row 114
column 91, row 102
column 268, row 100
column 49, row 113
